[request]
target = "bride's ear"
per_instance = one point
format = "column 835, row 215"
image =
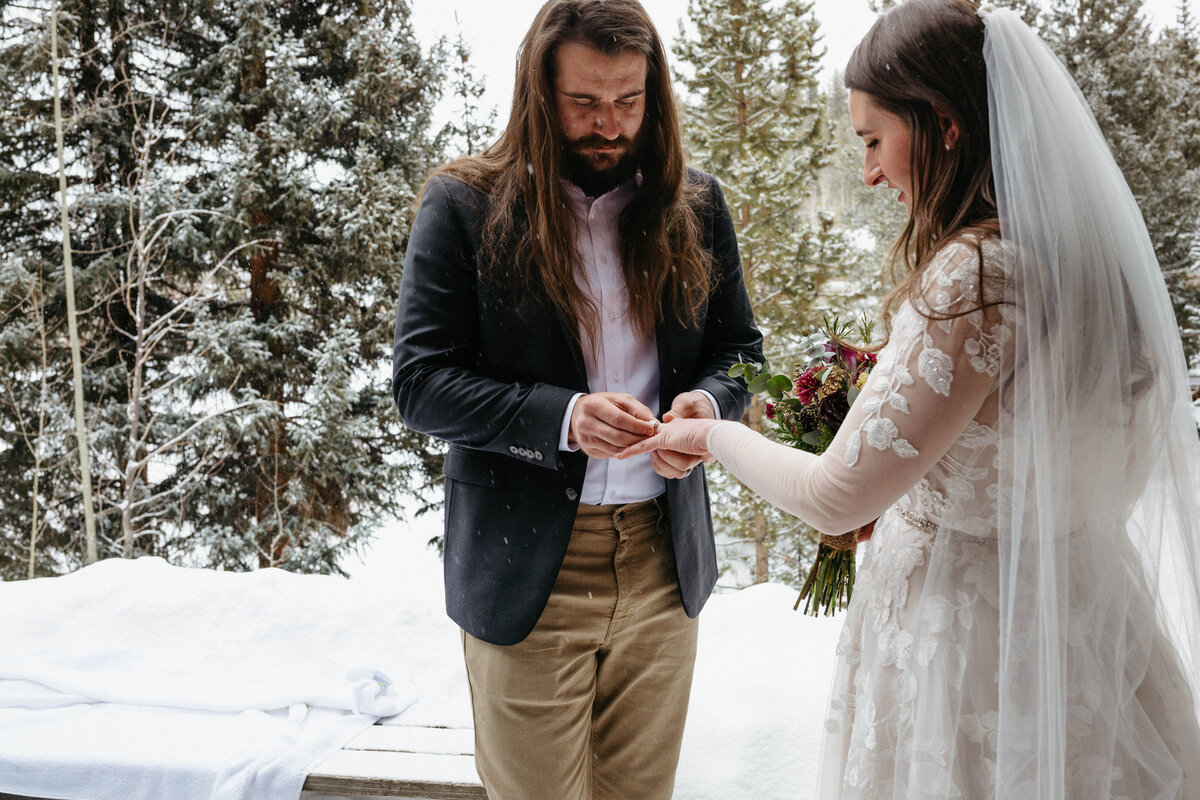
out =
column 948, row 126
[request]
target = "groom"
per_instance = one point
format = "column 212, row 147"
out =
column 560, row 292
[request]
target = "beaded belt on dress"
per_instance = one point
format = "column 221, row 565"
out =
column 920, row 523
column 928, row 526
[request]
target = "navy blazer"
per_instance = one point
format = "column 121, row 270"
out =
column 494, row 382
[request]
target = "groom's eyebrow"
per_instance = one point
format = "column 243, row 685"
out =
column 585, row 96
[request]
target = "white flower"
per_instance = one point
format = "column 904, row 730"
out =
column 937, row 369
column 881, row 432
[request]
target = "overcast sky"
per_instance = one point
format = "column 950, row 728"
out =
column 494, row 28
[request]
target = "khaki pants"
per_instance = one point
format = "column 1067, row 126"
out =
column 591, row 705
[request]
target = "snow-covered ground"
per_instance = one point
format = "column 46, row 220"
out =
column 758, row 701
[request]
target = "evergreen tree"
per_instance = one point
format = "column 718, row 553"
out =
column 37, row 445
column 872, row 218
column 473, row 129
column 243, row 175
column 1143, row 92
column 754, row 117
column 1181, row 66
column 323, row 110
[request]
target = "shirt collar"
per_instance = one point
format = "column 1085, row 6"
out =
column 616, row 198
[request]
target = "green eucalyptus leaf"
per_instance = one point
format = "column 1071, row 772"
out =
column 778, row 385
column 852, row 394
column 759, row 383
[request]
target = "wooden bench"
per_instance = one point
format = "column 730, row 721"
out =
column 400, row 761
column 413, row 761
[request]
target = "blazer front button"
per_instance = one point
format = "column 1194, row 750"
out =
column 572, row 494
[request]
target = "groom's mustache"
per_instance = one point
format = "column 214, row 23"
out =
column 596, row 140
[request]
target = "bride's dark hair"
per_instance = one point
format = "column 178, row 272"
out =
column 920, row 55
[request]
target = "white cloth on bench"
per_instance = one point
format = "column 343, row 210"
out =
column 136, row 679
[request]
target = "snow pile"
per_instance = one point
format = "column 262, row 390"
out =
column 135, row 679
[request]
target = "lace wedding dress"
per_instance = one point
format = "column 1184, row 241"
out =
column 916, row 698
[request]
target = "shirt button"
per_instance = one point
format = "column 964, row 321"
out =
column 616, row 376
column 603, row 259
column 572, row 494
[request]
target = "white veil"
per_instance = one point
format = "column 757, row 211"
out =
column 1099, row 463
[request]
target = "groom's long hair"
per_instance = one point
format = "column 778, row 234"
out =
column 528, row 236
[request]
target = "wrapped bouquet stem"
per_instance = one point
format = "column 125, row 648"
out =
column 830, row 582
column 807, row 408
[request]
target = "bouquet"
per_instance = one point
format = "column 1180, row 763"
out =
column 807, row 408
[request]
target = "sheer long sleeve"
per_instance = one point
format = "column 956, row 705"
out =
column 931, row 380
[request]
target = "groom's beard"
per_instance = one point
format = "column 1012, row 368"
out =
column 599, row 173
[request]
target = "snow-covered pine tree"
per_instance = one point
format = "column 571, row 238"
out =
column 1143, row 96
column 753, row 116
column 871, row 218
column 38, row 451
column 319, row 115
column 473, row 128
column 304, row 126
column 1181, row 67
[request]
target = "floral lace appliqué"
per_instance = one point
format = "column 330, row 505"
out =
column 952, row 281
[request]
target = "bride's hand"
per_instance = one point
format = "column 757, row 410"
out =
column 681, row 435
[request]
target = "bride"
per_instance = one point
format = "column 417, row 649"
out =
column 1026, row 619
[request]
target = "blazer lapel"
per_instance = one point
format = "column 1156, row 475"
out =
column 576, row 352
column 666, row 375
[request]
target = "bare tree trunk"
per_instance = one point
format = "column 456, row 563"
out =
column 762, row 570
column 137, row 263
column 39, row 310
column 133, row 461
column 81, row 432
column 759, row 529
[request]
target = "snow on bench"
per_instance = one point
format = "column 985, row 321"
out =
column 400, row 761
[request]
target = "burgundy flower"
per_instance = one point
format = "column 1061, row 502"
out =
column 807, row 385
column 834, row 409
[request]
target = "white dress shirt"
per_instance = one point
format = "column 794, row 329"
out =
column 619, row 361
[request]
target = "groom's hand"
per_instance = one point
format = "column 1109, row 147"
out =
column 690, row 405
column 673, row 464
column 605, row 423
